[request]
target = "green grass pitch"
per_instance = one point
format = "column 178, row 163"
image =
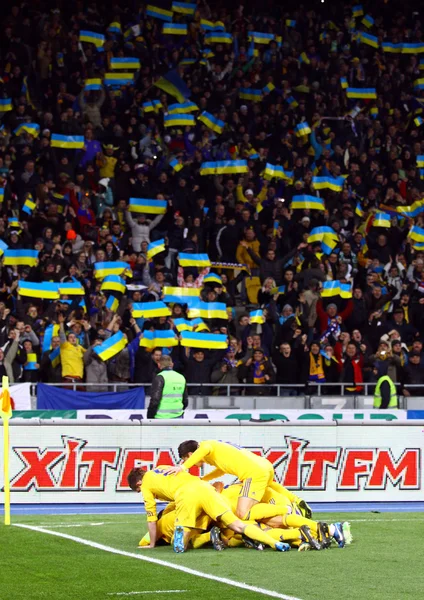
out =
column 385, row 562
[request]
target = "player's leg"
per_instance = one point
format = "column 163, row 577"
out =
column 292, row 498
column 253, row 532
column 252, row 492
column 187, row 512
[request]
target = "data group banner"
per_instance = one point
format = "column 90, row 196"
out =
column 66, row 463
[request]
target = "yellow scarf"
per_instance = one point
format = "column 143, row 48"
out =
column 316, row 368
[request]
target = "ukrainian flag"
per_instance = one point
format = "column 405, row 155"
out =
column 29, row 205
column 330, row 289
column 302, row 129
column 391, row 48
column 115, row 27
column 183, row 325
column 187, row 62
column 152, row 106
column 112, row 346
column 3, row 247
column 208, row 168
column 307, row 202
column 418, row 121
column 250, row 94
column 412, row 48
column 261, row 38
column 420, row 160
column 207, row 53
column 71, row 288
column 290, row 23
column 318, row 233
column 44, row 290
column 212, row 26
column 31, row 362
column 381, row 220
column 256, row 317
column 193, row 260
column 331, row 183
column 150, row 310
column 212, row 122
column 218, row 37
column 112, row 304
column 367, row 38
column 25, row 258
column 113, row 283
column 227, row 167
column 98, row 39
column 92, row 85
column 67, row 142
column 417, row 233
column 359, row 211
column 268, row 88
column 344, row 83
column 419, row 84
column 292, row 102
column 362, row 93
column 31, row 128
column 103, row 269
column 412, row 211
column 155, row 248
column 118, row 79
column 158, row 339
column 174, row 29
column 328, row 243
column 124, row 63
column 184, row 9
column 180, row 295
column 176, row 165
column 209, row 341
column 278, row 172
column 303, row 58
column 5, row 104
column 207, row 310
column 182, row 108
column 374, row 112
column 1, row 195
column 158, row 13
column 179, row 120
column 152, row 207
column 13, row 222
column 345, row 290
column 50, row 332
column 212, row 278
column 199, row 325
column 358, row 10
column 368, row 21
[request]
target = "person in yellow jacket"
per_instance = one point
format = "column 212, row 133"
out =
column 71, row 353
column 242, row 255
column 107, row 162
column 385, row 394
column 248, row 195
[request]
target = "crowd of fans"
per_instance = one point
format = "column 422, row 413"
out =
column 81, row 197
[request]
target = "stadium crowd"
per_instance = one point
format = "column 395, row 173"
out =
column 300, row 181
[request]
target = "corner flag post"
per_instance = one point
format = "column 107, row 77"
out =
column 5, row 414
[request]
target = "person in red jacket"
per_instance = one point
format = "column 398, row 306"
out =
column 350, row 365
column 325, row 316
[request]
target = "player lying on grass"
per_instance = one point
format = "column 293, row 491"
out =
column 193, row 499
column 255, row 472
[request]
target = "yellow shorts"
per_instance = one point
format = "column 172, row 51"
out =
column 193, row 500
column 272, row 497
column 166, row 526
column 254, row 487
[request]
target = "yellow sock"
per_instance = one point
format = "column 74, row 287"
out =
column 265, row 511
column 200, row 540
column 297, row 521
column 284, row 492
column 256, row 533
column 284, row 535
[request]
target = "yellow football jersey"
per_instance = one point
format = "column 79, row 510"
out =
column 228, row 458
column 158, row 486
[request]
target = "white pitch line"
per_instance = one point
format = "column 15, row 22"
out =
column 152, row 592
column 162, row 563
column 377, row 520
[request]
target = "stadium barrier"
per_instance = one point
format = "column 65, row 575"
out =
column 76, row 462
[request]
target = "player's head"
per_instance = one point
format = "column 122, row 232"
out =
column 186, row 449
column 135, row 477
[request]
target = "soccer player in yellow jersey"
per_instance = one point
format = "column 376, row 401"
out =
column 255, row 472
column 193, row 499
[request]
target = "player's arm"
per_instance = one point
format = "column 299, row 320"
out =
column 198, row 455
column 212, row 475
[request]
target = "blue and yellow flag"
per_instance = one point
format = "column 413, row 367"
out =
column 50, row 332
column 112, row 304
column 218, row 37
column 1, row 195
column 92, row 84
column 362, row 93
column 212, row 122
column 345, row 290
column 304, row 201
column 115, row 27
column 224, row 167
column 318, row 233
column 413, row 210
column 31, row 362
column 359, row 211
column 207, row 310
column 210, row 341
column 174, row 29
column 251, row 94
column 212, row 25
column 420, row 160
column 150, row 310
column 124, row 63
column 5, row 104
column 98, row 39
column 418, row 121
column 158, row 339
column 358, row 10
column 176, row 165
column 14, row 223
column 344, row 83
column 180, row 295
column 328, row 183
column 111, row 346
column 113, row 283
column 184, row 8
column 67, row 142
column 278, row 172
column 212, row 278
column 118, row 79
column 26, row 258
column 103, row 269
column 193, row 260
column 155, row 248
column 257, row 317
column 290, row 23
column 71, row 288
column 152, row 207
column 268, row 88
column 158, row 13
column 183, row 325
column 414, row 48
column 419, row 84
column 417, row 233
column 3, row 247
column 391, row 48
column 44, row 290
column 381, row 220
column 330, row 289
column 187, row 62
column 182, row 108
column 367, row 38
column 260, row 38
column 199, row 325
column 174, row 85
column 152, row 106
column 29, row 205
column 30, row 128
column 368, row 21
column 175, row 120
column 292, row 102
column 302, row 129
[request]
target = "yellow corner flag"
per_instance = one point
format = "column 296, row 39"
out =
column 5, row 414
